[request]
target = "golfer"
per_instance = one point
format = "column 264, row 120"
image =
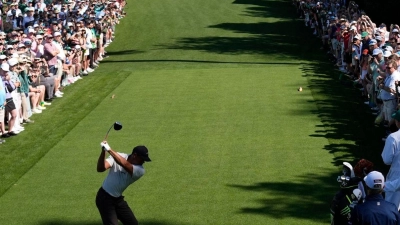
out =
column 124, row 170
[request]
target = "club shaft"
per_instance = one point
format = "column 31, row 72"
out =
column 108, row 132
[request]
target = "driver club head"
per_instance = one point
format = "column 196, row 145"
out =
column 117, row 126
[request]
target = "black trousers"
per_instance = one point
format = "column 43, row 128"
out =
column 113, row 209
column 91, row 57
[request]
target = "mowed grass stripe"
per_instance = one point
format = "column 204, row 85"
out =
column 212, row 133
column 22, row 152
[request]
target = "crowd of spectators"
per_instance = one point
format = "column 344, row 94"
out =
column 46, row 45
column 369, row 54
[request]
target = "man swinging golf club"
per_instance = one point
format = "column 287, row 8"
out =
column 124, row 170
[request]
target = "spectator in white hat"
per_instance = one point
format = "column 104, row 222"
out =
column 375, row 210
column 60, row 61
column 16, row 95
column 10, row 105
column 356, row 54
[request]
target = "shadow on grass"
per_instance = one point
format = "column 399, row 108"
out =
column 146, row 222
column 201, row 61
column 280, row 38
column 347, row 123
column 304, row 198
column 125, row 52
column 267, row 8
column 261, row 38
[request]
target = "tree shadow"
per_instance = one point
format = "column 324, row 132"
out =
column 262, row 39
column 348, row 123
column 124, row 52
column 200, row 61
column 145, row 222
column 267, row 8
column 305, row 198
column 283, row 38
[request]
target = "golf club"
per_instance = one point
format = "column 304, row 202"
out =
column 117, row 126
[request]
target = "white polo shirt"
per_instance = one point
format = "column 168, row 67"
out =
column 118, row 179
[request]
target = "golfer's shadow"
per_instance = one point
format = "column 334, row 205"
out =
column 306, row 198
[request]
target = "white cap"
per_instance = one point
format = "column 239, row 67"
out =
column 386, row 53
column 3, row 56
column 375, row 180
column 21, row 45
column 395, row 30
column 77, row 46
column 31, row 31
column 373, row 42
column 377, row 51
column 389, row 48
column 358, row 37
column 13, row 61
column 9, row 46
column 69, row 24
column 57, row 34
column 15, row 55
column 39, row 36
column 35, row 25
column 353, row 28
column 5, row 67
column 22, row 60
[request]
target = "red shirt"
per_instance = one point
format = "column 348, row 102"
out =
column 346, row 38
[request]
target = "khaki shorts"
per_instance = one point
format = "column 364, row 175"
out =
column 389, row 107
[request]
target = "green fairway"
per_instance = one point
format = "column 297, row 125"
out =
column 210, row 87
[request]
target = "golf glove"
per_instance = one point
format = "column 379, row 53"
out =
column 105, row 146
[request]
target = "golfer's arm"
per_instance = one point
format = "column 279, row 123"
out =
column 102, row 164
column 121, row 161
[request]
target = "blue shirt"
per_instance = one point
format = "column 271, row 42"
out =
column 375, row 211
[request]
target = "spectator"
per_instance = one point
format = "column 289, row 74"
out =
column 10, row 106
column 31, row 69
column 376, row 68
column 387, row 85
column 375, row 210
column 391, row 156
column 16, row 95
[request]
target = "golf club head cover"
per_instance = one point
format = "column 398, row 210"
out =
column 105, row 146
